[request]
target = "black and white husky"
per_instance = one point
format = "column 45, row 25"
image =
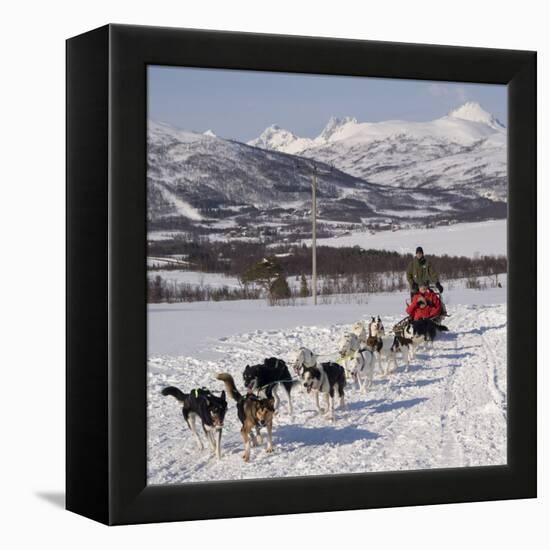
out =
column 269, row 374
column 210, row 409
column 329, row 379
column 413, row 334
column 384, row 346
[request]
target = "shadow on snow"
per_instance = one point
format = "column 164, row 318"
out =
column 319, row 435
column 418, row 383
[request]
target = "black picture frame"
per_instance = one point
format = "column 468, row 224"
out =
column 106, row 274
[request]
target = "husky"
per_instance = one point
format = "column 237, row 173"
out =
column 358, row 329
column 362, row 368
column 349, row 342
column 270, row 374
column 302, row 358
column 254, row 413
column 385, row 347
column 414, row 334
column 403, row 342
column 427, row 329
column 347, row 346
column 201, row 403
column 327, row 378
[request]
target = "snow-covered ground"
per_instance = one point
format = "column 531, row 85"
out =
column 195, row 278
column 461, row 239
column 447, row 410
column 203, row 279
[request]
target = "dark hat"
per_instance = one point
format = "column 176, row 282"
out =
column 419, row 249
column 425, row 283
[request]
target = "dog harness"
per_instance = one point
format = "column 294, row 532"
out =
column 197, row 391
column 344, row 358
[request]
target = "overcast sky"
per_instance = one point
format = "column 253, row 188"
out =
column 241, row 104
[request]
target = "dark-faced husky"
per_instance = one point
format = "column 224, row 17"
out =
column 269, row 374
column 210, row 409
column 254, row 413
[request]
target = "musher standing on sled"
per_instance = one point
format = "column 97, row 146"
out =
column 420, row 271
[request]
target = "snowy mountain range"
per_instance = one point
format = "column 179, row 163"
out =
column 191, row 175
column 451, row 168
column 464, row 149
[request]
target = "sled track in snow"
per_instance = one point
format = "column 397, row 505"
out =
column 493, row 378
column 451, row 449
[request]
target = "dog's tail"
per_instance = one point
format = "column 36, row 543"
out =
column 230, row 386
column 174, row 392
column 442, row 328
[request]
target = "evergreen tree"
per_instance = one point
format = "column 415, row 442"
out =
column 279, row 289
column 156, row 290
column 263, row 273
column 266, row 273
column 304, row 290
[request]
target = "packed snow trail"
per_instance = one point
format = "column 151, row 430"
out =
column 447, row 410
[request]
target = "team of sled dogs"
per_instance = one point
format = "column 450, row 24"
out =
column 360, row 350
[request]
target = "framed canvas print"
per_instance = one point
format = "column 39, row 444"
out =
column 301, row 274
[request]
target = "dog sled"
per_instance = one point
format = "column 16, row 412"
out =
column 437, row 319
column 401, row 326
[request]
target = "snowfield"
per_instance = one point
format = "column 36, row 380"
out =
column 447, row 410
column 461, row 239
column 196, row 278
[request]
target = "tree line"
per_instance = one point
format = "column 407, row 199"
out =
column 236, row 257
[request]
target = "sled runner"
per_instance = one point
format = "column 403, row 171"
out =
column 443, row 313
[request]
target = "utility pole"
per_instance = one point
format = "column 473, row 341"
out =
column 314, row 236
column 314, row 172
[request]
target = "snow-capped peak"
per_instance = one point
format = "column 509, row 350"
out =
column 209, row 133
column 334, row 125
column 273, row 137
column 474, row 112
column 278, row 139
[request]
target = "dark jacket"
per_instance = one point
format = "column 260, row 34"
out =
column 421, row 270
